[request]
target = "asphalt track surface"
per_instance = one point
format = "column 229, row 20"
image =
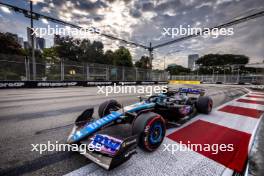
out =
column 35, row 116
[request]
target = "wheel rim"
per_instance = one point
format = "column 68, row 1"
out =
column 156, row 133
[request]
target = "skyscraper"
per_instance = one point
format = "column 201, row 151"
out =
column 191, row 61
column 26, row 45
column 21, row 41
column 40, row 43
column 56, row 39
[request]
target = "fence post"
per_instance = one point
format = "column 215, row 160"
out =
column 87, row 72
column 136, row 74
column 224, row 76
column 62, row 69
column 107, row 73
column 26, row 68
column 238, row 76
column 123, row 74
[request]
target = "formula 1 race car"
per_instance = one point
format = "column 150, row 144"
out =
column 119, row 130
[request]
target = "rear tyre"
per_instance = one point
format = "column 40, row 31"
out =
column 106, row 107
column 150, row 128
column 204, row 104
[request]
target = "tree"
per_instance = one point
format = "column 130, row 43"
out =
column 98, row 52
column 109, row 57
column 122, row 57
column 50, row 54
column 67, row 47
column 84, row 51
column 144, row 62
column 38, row 54
column 222, row 63
column 177, row 69
column 79, row 50
column 222, row 59
column 8, row 45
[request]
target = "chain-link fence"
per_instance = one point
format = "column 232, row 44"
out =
column 252, row 79
column 14, row 67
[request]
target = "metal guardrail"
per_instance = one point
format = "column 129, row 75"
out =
column 19, row 68
column 232, row 79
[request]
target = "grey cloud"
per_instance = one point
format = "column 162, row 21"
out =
column 136, row 13
column 147, row 6
column 248, row 37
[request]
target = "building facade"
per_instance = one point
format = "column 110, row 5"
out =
column 191, row 61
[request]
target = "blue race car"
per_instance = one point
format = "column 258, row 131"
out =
column 119, row 130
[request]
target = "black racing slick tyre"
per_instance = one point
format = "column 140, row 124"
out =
column 106, row 107
column 150, row 128
column 204, row 104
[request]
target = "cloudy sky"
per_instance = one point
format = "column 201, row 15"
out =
column 142, row 21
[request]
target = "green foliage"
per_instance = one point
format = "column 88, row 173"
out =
column 178, row 70
column 72, row 49
column 93, row 52
column 122, row 57
column 144, row 62
column 223, row 64
column 109, row 57
column 8, row 45
column 50, row 54
column 69, row 49
column 38, row 55
column 222, row 59
column 97, row 52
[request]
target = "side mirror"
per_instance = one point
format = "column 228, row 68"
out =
column 84, row 117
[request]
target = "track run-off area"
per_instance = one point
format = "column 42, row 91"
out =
column 35, row 116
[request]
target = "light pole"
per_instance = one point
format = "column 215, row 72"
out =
column 32, row 41
column 224, row 76
column 238, row 75
column 213, row 74
column 217, row 76
column 164, row 63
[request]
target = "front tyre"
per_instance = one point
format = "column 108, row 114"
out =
column 106, row 107
column 150, row 128
column 204, row 104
